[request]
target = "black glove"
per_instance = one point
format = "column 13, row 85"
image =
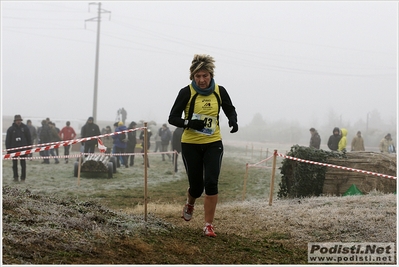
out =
column 234, row 125
column 196, row 124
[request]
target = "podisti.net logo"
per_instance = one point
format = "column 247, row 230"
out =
column 351, row 252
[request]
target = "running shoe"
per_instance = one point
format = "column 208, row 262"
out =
column 208, row 230
column 188, row 212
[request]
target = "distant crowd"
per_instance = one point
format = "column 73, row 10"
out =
column 338, row 141
column 22, row 136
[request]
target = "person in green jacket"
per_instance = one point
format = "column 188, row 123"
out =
column 342, row 141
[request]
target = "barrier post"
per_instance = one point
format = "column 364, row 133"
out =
column 145, row 171
column 174, row 162
column 80, row 164
column 245, row 182
column 272, row 179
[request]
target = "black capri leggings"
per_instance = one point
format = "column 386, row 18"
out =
column 203, row 162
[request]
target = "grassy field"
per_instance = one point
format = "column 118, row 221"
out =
column 56, row 218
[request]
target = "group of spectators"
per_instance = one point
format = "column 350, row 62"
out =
column 165, row 138
column 125, row 143
column 338, row 141
column 49, row 133
column 22, row 136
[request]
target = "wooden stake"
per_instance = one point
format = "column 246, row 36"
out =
column 272, row 179
column 80, row 164
column 174, row 162
column 145, row 170
column 245, row 182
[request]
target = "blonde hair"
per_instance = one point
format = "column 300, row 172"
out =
column 202, row 62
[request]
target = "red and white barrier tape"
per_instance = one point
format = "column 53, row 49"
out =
column 52, row 157
column 61, row 143
column 79, row 155
column 336, row 166
column 256, row 164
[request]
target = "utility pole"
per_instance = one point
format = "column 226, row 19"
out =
column 98, row 19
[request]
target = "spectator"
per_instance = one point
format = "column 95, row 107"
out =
column 107, row 140
column 176, row 145
column 88, row 130
column 166, row 136
column 124, row 115
column 39, row 129
column 334, row 140
column 58, row 132
column 113, row 145
column 33, row 134
column 157, row 140
column 342, row 141
column 387, row 145
column 120, row 142
column 54, row 137
column 131, row 143
column 33, row 131
column 149, row 134
column 357, row 142
column 45, row 138
column 67, row 133
column 18, row 135
column 315, row 139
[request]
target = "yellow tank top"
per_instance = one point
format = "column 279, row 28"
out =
column 206, row 108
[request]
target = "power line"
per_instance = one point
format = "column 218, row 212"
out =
column 261, row 59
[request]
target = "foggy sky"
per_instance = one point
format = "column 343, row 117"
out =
column 295, row 61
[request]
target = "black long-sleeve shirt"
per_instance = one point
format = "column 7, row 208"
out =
column 175, row 116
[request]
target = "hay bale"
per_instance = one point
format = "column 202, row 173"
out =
column 337, row 181
column 95, row 163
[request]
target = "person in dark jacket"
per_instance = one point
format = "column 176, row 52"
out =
column 45, row 138
column 176, row 144
column 54, row 137
column 33, row 134
column 18, row 135
column 32, row 130
column 120, row 142
column 334, row 139
column 88, row 130
column 166, row 136
column 315, row 139
column 149, row 134
column 131, row 143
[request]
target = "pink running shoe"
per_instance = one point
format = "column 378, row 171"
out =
column 188, row 212
column 208, row 230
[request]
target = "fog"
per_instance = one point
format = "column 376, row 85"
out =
column 291, row 64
